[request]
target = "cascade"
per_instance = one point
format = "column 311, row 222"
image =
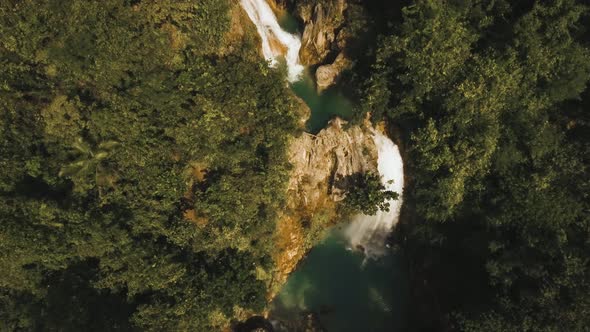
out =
column 370, row 232
column 358, row 292
column 275, row 41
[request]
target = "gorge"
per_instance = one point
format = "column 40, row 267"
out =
column 225, row 165
column 356, row 250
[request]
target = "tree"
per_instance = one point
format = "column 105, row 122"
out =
column 91, row 161
column 103, row 106
column 365, row 194
column 497, row 174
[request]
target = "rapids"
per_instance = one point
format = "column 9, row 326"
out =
column 275, row 40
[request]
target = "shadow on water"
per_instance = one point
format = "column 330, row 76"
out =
column 346, row 292
column 290, row 24
column 256, row 323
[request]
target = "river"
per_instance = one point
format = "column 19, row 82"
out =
column 345, row 288
column 346, row 291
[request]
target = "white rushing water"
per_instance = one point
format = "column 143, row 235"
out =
column 274, row 39
column 370, row 232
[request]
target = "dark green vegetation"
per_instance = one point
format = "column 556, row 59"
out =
column 142, row 162
column 366, row 194
column 493, row 103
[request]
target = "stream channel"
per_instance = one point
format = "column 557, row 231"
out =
column 344, row 289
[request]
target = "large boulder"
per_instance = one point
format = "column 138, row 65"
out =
column 334, row 153
column 327, row 75
column 318, row 162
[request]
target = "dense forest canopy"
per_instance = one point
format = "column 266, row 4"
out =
column 493, row 100
column 142, row 165
column 143, row 160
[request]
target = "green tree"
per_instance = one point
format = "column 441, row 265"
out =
column 496, row 156
column 365, row 194
column 151, row 87
column 90, row 161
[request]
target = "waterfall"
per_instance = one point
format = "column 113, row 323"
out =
column 276, row 42
column 370, row 232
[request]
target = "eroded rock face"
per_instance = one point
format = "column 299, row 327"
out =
column 303, row 111
column 325, row 36
column 327, row 75
column 319, row 161
column 322, row 22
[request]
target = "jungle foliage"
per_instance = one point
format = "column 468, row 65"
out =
column 365, row 194
column 143, row 164
column 493, row 101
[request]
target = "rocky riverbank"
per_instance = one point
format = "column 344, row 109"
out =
column 318, row 161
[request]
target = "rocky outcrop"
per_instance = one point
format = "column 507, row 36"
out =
column 332, row 154
column 319, row 162
column 322, row 23
column 327, row 75
column 303, row 111
column 326, row 35
column 324, row 40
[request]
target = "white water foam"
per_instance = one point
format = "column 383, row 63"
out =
column 270, row 31
column 371, row 232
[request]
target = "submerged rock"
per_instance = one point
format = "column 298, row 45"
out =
column 254, row 324
column 303, row 322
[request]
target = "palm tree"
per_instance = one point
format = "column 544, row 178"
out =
column 90, row 161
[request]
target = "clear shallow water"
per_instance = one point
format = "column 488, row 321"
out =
column 324, row 107
column 348, row 292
